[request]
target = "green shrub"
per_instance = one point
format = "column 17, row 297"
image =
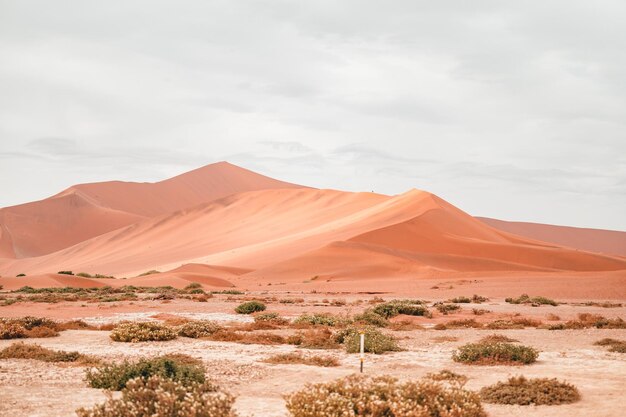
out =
column 375, row 341
column 460, row 300
column 159, row 397
column 495, row 353
column 250, row 307
column 141, row 332
column 318, row 319
column 180, row 368
column 538, row 391
column 270, row 318
column 30, row 351
column 372, row 318
column 199, row 328
column 383, row 397
column 395, row 307
column 444, row 308
column 535, row 301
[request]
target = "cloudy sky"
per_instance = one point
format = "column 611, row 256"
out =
column 507, row 109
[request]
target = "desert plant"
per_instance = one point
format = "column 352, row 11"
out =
column 185, row 370
column 497, row 338
column 65, row 273
column 20, row 275
column 463, row 324
column 495, row 353
column 22, row 350
column 395, row 307
column 319, row 338
column 199, row 328
column 250, row 307
column 586, row 320
column 318, row 319
column 537, row 391
column 382, row 397
column 299, row 358
column 141, row 332
column 449, row 377
column 614, row 345
column 444, row 308
column 372, row 318
column 460, row 300
column 534, row 301
column 375, row 341
column 270, row 318
column 480, row 311
column 150, row 272
column 161, row 397
column 23, row 327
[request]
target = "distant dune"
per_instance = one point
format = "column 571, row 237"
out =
column 222, row 226
column 593, row 240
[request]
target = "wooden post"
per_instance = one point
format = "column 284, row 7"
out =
column 362, row 334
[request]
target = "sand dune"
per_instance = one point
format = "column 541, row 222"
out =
column 52, row 281
column 592, row 240
column 87, row 210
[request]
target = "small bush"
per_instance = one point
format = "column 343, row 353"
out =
column 449, row 377
column 479, row 299
column 382, row 397
column 497, row 338
column 372, row 318
column 27, row 351
column 375, row 341
column 321, row 338
column 538, row 391
column 250, row 307
column 495, row 353
column 20, row 275
column 65, row 273
column 614, row 345
column 299, row 358
column 535, row 301
column 586, row 320
column 150, row 272
column 445, row 309
column 480, row 311
column 199, row 328
column 396, row 307
column 318, row 319
column 27, row 327
column 463, row 324
column 141, row 332
column 161, row 397
column 460, row 300
column 185, row 370
column 515, row 323
column 270, row 318
column 404, row 326
column 247, row 338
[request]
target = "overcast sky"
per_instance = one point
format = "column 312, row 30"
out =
column 507, row 109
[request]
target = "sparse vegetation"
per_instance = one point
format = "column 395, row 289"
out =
column 480, row 311
column 22, row 350
column 299, row 358
column 383, row 397
column 613, row 344
column 161, row 397
column 495, row 354
column 375, row 341
column 459, row 324
column 320, row 338
column 534, row 301
column 150, row 272
column 27, row 327
column 514, row 323
column 396, row 307
column 497, row 338
column 586, row 320
column 445, row 309
column 449, row 377
column 250, row 307
column 65, row 273
column 180, row 368
column 537, row 391
column 372, row 318
column 270, row 318
column 141, row 332
column 198, row 328
column 318, row 319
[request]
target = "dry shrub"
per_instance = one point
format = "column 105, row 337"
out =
column 448, row 376
column 587, row 320
column 552, row 317
column 460, row 300
column 12, row 331
column 480, row 311
column 383, row 397
column 497, row 338
column 199, row 328
column 247, row 338
column 463, row 324
column 614, row 345
column 160, row 397
column 171, row 319
column 369, row 316
column 443, row 339
column 514, row 323
column 180, row 368
column 299, row 358
column 314, row 339
column 27, row 327
column 445, row 309
column 75, row 325
column 42, row 331
column 404, row 326
column 142, row 332
column 375, row 341
column 495, row 354
column 317, row 319
column 270, row 318
column 396, row 307
column 537, row 391
column 605, row 304
column 22, row 350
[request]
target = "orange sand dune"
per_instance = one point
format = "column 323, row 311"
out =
column 52, row 281
column 592, row 240
column 87, row 210
column 176, row 280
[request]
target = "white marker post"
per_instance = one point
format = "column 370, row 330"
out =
column 362, row 334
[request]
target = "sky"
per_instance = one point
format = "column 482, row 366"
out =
column 507, row 109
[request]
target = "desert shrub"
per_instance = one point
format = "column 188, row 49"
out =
column 141, row 332
column 299, row 358
column 161, row 397
column 321, row 338
column 12, row 331
column 372, row 318
column 247, row 338
column 382, row 397
column 515, row 323
column 270, row 318
column 199, row 328
column 460, row 300
column 375, row 341
column 84, row 275
column 605, row 304
column 22, row 350
column 552, row 317
column 537, row 391
column 449, row 377
column 318, row 319
column 587, row 320
column 614, row 345
column 479, row 299
column 250, row 307
column 480, row 311
column 404, row 326
column 495, row 353
column 23, row 327
column 395, row 307
column 463, row 324
column 535, row 301
column 150, row 272
column 497, row 338
column 65, row 273
column 444, row 308
column 20, row 275
column 115, row 376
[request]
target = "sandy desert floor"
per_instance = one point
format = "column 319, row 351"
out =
column 32, row 388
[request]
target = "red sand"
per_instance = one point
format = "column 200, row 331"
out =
column 280, row 233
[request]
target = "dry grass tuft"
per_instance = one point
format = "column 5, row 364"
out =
column 299, row 358
column 314, row 339
column 614, row 345
column 538, row 391
column 22, row 350
column 497, row 338
column 448, row 376
column 405, row 326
